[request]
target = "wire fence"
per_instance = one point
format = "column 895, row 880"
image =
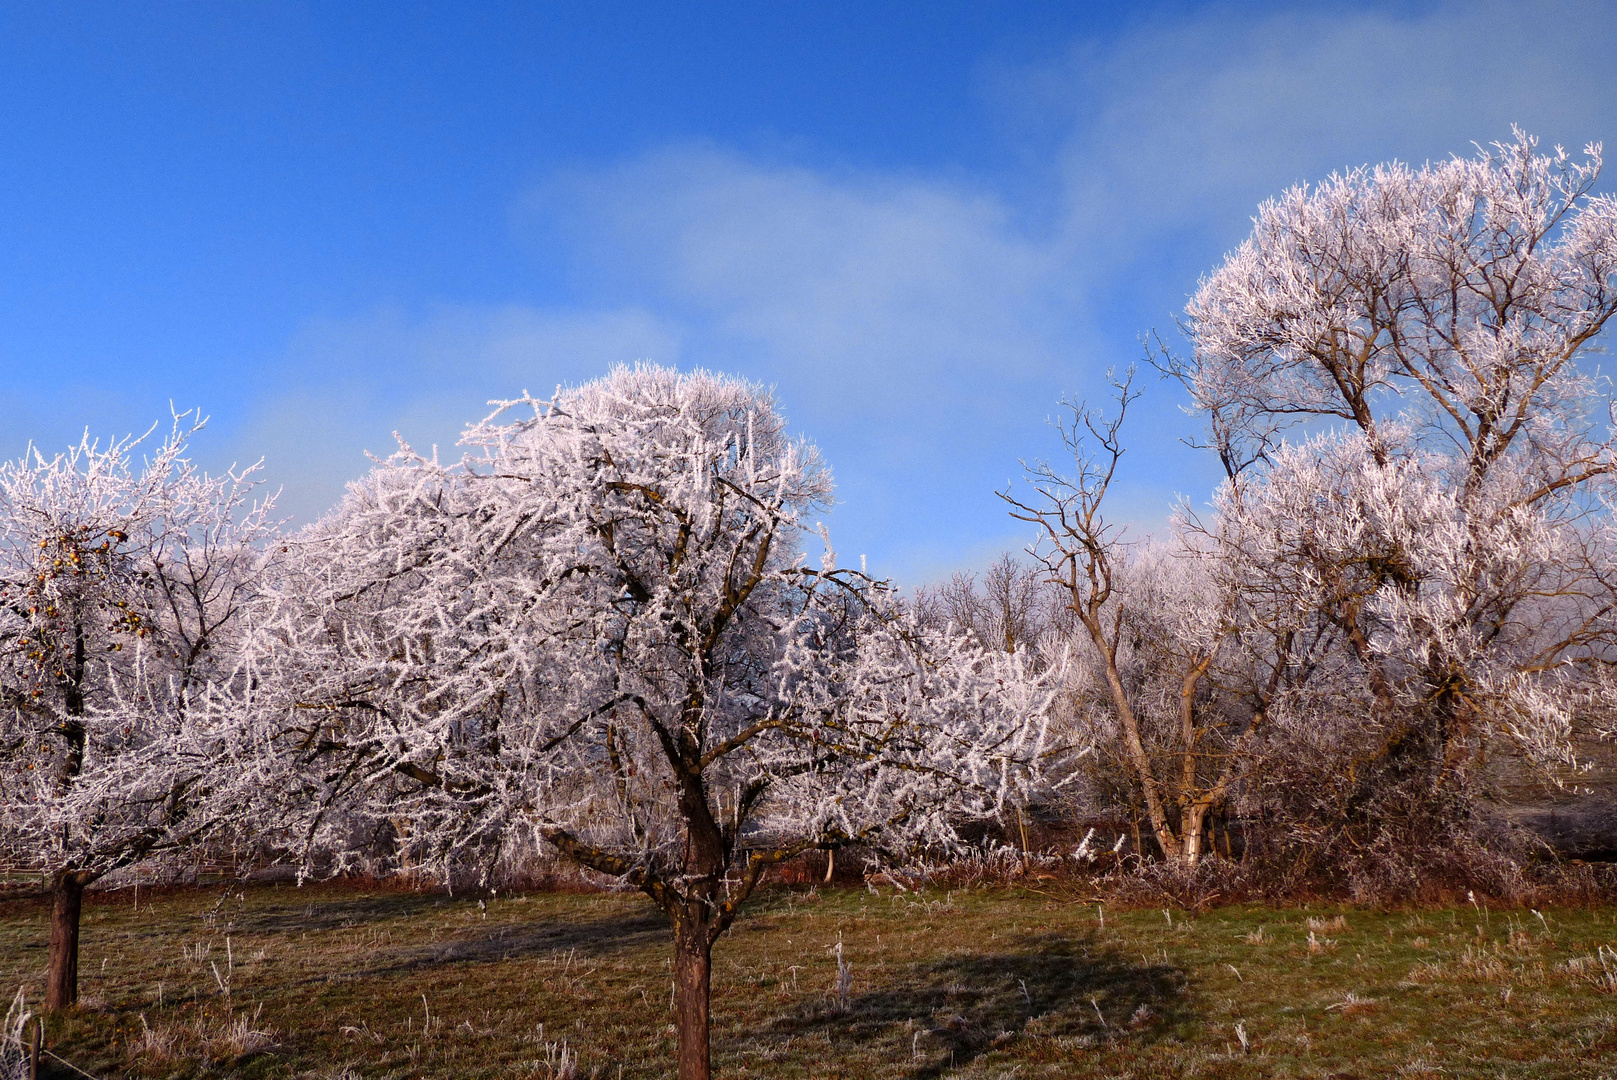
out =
column 22, row 1045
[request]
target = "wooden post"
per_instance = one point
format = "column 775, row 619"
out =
column 33, row 1049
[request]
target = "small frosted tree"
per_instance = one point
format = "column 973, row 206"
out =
column 122, row 586
column 597, row 633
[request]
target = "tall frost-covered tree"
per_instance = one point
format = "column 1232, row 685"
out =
column 598, row 633
column 122, row 589
column 1442, row 515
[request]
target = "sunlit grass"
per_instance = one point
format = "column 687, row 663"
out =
column 282, row 982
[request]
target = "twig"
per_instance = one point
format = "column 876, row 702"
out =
column 70, row 1065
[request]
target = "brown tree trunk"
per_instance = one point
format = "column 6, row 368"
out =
column 62, row 971
column 1172, row 849
column 693, row 969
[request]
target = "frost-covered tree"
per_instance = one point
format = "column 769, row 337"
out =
column 1012, row 607
column 122, row 587
column 1442, row 513
column 598, row 633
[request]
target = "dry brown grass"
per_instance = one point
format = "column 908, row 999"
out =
column 344, row 984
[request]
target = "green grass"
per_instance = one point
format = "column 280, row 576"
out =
column 979, row 983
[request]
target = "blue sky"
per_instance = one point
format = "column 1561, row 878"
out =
column 922, row 223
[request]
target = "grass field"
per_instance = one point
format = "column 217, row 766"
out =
column 286, row 982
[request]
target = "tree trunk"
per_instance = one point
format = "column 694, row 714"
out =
column 62, row 972
column 693, row 969
column 1172, row 849
column 1190, row 832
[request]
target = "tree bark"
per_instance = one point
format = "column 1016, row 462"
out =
column 1191, row 830
column 1171, row 848
column 693, row 970
column 62, row 971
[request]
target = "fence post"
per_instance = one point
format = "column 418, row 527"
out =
column 33, row 1049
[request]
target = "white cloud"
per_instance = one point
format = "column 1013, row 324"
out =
column 922, row 330
column 919, row 326
column 911, row 328
column 346, row 385
column 846, row 281
column 1191, row 120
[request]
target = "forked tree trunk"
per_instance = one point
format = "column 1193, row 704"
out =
column 1172, row 848
column 693, row 971
column 62, row 971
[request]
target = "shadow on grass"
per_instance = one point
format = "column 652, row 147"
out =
column 515, row 941
column 945, row 1013
column 467, row 943
column 328, row 914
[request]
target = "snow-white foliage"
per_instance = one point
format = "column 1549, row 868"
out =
column 598, row 632
column 1435, row 568
column 1488, row 591
column 1452, row 300
column 122, row 588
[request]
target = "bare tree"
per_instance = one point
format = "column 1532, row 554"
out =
column 1012, row 608
column 122, row 587
column 1158, row 625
